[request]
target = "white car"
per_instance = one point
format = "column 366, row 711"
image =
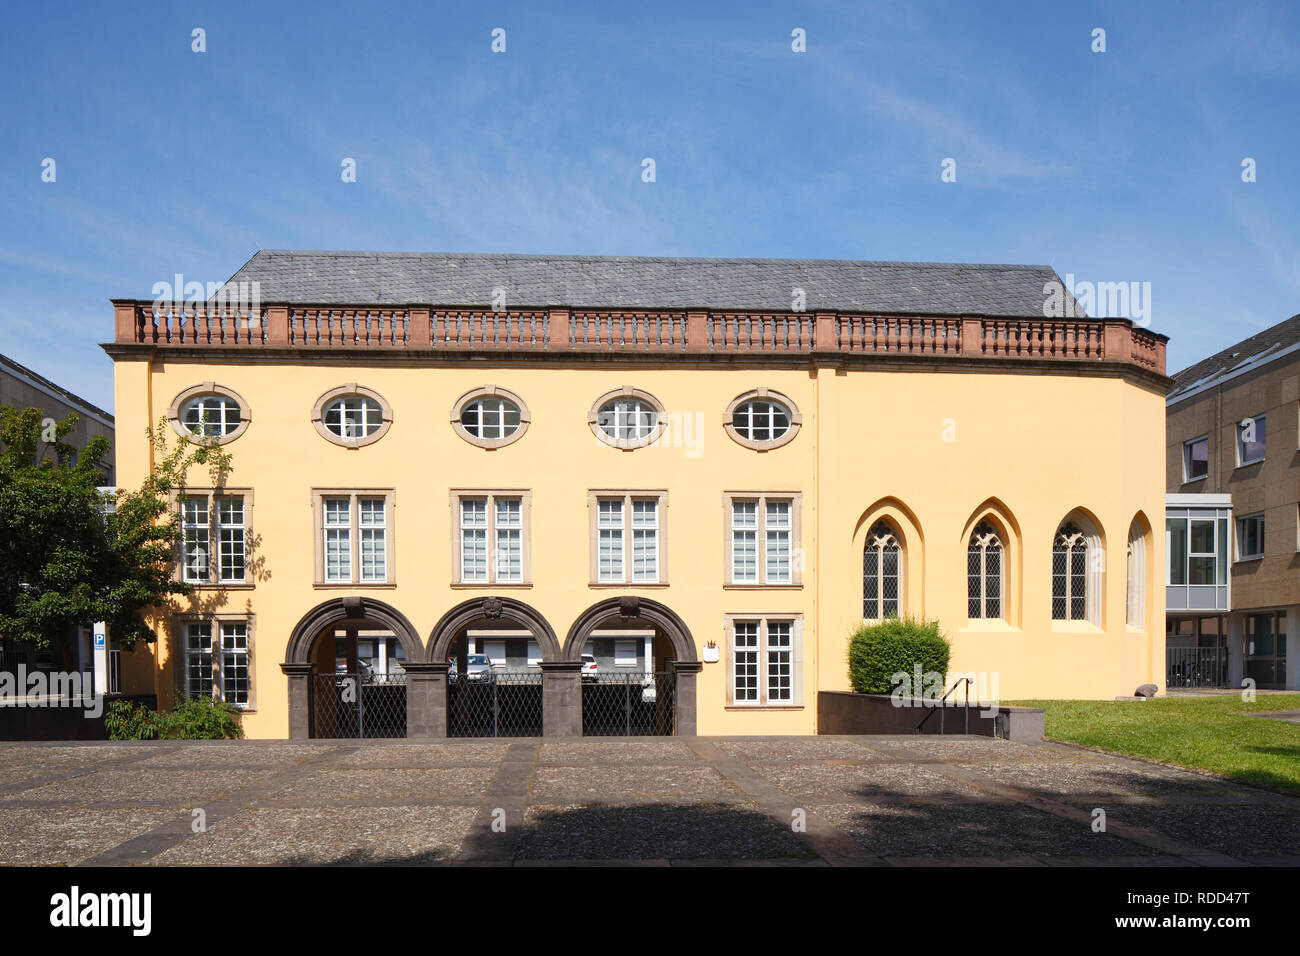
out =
column 589, row 667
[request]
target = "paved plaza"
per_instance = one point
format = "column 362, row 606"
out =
column 790, row 800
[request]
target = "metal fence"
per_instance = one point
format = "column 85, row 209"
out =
column 629, row 705
column 497, row 704
column 1196, row 667
column 359, row 705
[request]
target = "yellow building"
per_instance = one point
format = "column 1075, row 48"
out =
column 480, row 494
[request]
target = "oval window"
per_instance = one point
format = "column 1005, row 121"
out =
column 762, row 420
column 628, row 419
column 211, row 416
column 353, row 417
column 490, row 417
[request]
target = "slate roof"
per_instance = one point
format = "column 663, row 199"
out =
column 1280, row 336
column 468, row 279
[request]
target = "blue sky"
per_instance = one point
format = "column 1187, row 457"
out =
column 1116, row 166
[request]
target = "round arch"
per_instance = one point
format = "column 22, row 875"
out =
column 454, row 622
column 335, row 610
column 631, row 608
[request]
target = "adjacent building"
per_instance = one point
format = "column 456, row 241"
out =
column 21, row 387
column 457, row 475
column 1233, row 521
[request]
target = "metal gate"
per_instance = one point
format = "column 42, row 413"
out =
column 1196, row 667
column 629, row 705
column 495, row 705
column 359, row 705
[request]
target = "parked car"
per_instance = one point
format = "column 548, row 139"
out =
column 648, row 691
column 589, row 667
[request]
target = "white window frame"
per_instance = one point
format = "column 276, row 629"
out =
column 219, row 645
column 230, row 537
column 767, row 651
column 614, row 517
column 763, row 533
column 1260, row 420
column 357, row 532
column 1240, row 536
column 1187, row 459
column 494, row 533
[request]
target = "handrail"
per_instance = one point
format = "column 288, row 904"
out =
column 939, row 707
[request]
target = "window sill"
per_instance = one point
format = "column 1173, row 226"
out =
column 1192, row 481
column 1253, row 461
column 751, row 707
column 515, row 586
column 1246, row 559
column 336, row 585
column 624, row 584
column 762, row 587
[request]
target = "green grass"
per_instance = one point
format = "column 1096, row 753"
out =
column 1206, row 733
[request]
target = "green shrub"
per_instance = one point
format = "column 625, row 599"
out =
column 195, row 718
column 201, row 718
column 879, row 651
column 127, row 721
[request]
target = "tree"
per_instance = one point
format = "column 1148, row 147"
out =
column 67, row 556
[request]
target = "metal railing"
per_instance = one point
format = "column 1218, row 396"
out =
column 1196, row 667
column 359, row 705
column 499, row 704
column 629, row 705
column 941, row 706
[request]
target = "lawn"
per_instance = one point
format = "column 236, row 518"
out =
column 1207, row 733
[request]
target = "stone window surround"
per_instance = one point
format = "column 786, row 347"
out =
column 179, row 624
column 318, row 535
column 490, row 391
column 796, row 539
column 343, row 391
column 628, row 444
column 214, row 583
column 526, row 536
column 209, row 388
column 796, row 659
column 593, row 516
column 758, row 394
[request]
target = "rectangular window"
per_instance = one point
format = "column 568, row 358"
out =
column 234, row 663
column 1200, row 551
column 230, row 528
column 198, row 659
column 195, row 536
column 1250, row 440
column 627, row 537
column 374, row 533
column 625, row 653
column 763, row 540
column 338, row 539
column 610, row 530
column 1196, row 458
column 509, row 540
column 491, row 541
column 216, row 660
column 354, row 541
column 1250, row 537
column 214, row 537
column 765, row 661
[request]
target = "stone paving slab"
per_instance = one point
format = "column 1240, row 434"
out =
column 576, row 831
column 970, row 830
column 388, row 784
column 692, row 784
column 328, row 835
column 616, row 751
column 139, row 787
column 874, row 782
column 423, row 755
column 56, row 837
column 900, row 801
